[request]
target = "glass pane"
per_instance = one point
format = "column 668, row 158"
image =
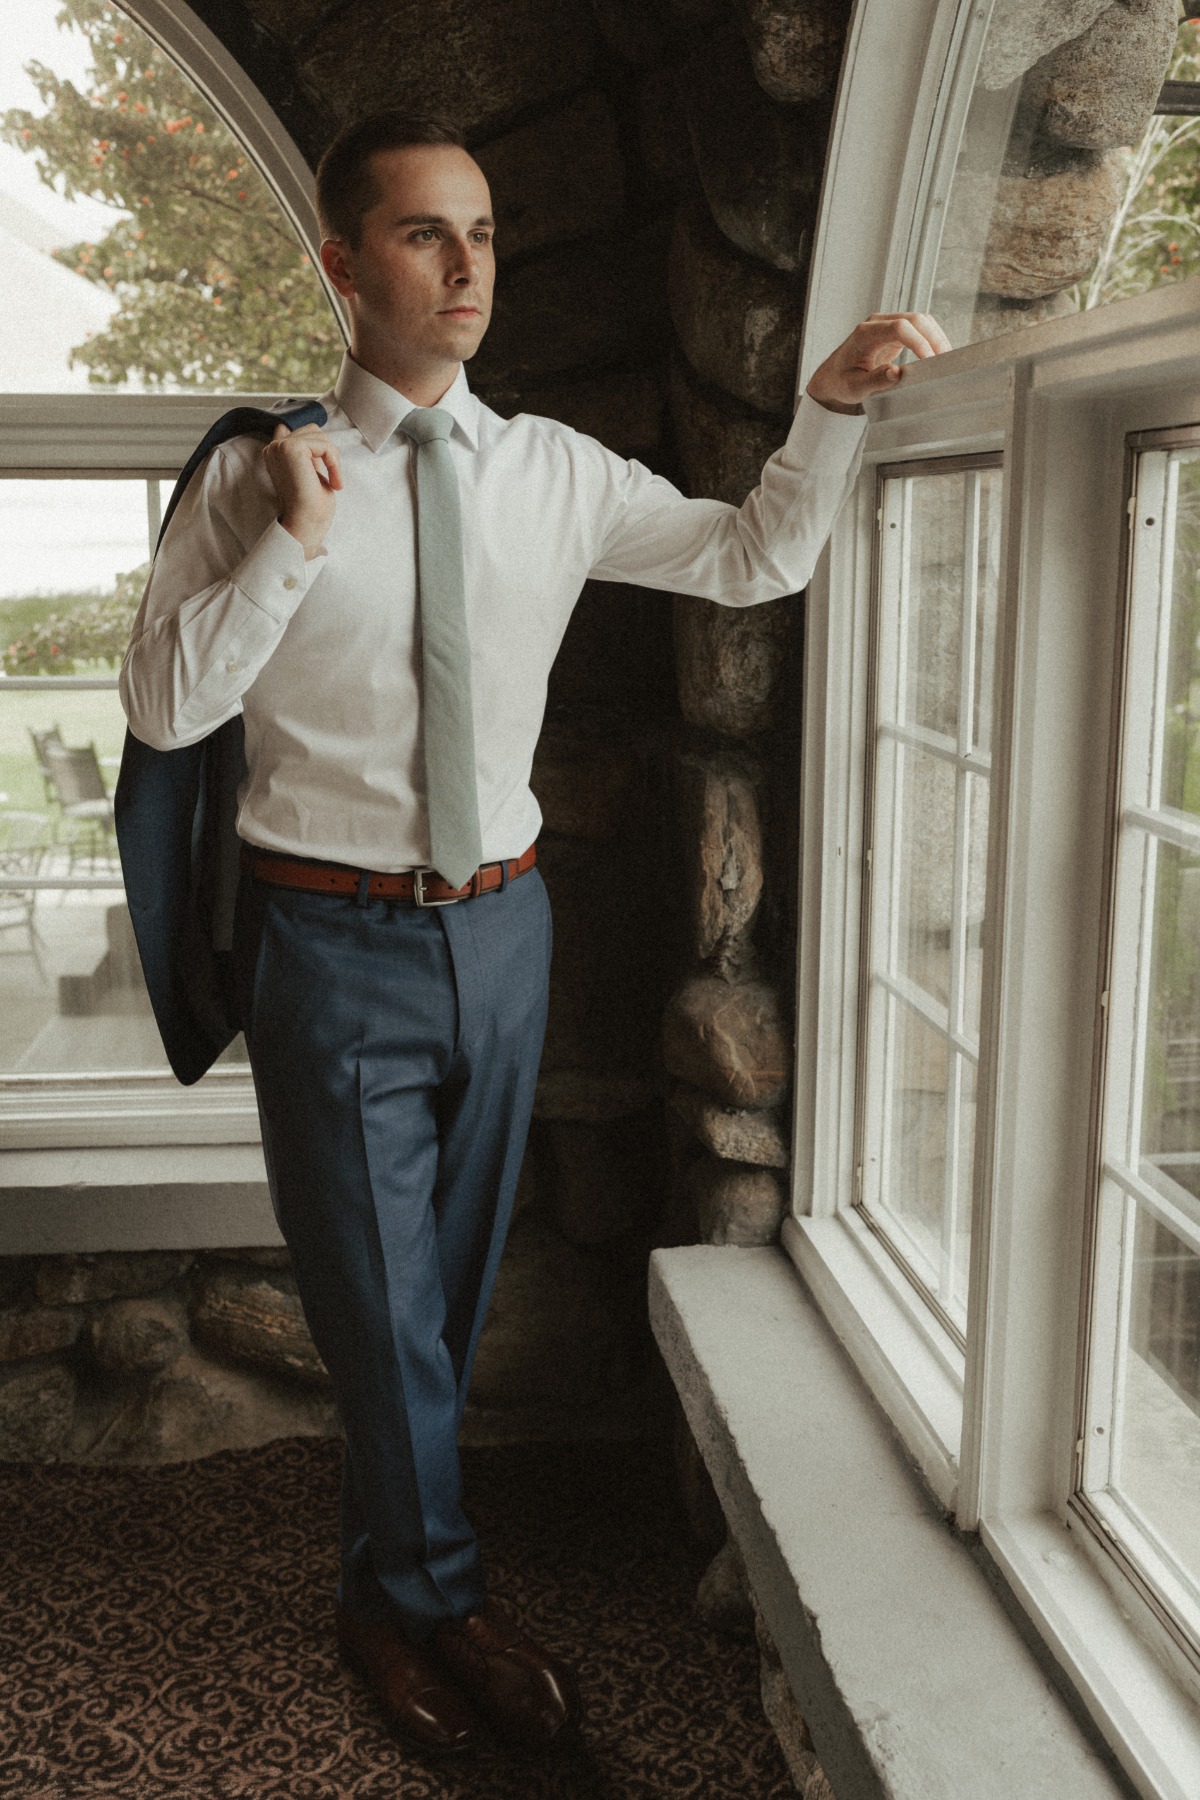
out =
column 1171, row 1057
column 1156, row 1468
column 916, row 1137
column 924, row 877
column 71, row 991
column 1068, row 190
column 978, row 793
column 171, row 264
column 934, row 572
column 1181, row 732
column 989, row 487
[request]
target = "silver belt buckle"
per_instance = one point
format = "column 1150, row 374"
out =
column 420, row 896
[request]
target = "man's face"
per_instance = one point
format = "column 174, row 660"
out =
column 420, row 281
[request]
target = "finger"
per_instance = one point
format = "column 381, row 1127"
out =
column 926, row 323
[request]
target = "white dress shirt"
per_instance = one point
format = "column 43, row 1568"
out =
column 322, row 656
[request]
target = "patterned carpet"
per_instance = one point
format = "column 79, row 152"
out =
column 168, row 1631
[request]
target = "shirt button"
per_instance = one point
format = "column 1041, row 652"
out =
column 232, row 668
column 289, row 582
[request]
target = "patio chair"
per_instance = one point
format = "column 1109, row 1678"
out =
column 73, row 774
column 24, row 837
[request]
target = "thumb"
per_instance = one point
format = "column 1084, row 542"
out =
column 280, row 431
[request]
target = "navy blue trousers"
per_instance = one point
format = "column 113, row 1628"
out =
column 395, row 1054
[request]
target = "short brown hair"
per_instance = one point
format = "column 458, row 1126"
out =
column 346, row 188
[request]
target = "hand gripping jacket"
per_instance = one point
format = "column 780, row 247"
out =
column 176, row 812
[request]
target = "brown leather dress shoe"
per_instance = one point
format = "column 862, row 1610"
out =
column 532, row 1700
column 425, row 1710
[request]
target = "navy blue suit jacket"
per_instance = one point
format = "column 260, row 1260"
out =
column 175, row 817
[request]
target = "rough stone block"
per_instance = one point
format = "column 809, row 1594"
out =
column 108, row 1275
column 559, row 178
column 270, row 1256
column 197, row 1407
column 759, row 163
column 705, row 1519
column 722, row 447
column 739, row 1206
column 604, row 1180
column 1099, row 90
column 485, row 60
column 614, row 675
column 553, row 314
column 787, row 1722
column 729, row 1039
column 729, row 662
column 136, row 1337
column 719, row 811
column 258, row 1322
column 758, row 1138
column 623, row 408
column 16, row 1277
column 607, row 977
column 580, row 1094
column 994, row 317
column 738, row 321
column 1047, row 231
column 583, row 786
column 817, row 1786
column 37, row 1401
column 36, row 1331
column 565, row 1325
column 289, row 18
column 638, row 30
column 796, row 45
column 1021, row 32
column 668, row 168
column 723, row 1597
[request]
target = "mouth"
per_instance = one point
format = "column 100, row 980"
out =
column 460, row 312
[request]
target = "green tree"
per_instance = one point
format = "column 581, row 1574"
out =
column 1155, row 234
column 214, row 290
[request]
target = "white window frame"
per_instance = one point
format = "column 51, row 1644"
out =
column 146, row 436
column 993, row 1431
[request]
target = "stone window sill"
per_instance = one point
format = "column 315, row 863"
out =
column 914, row 1680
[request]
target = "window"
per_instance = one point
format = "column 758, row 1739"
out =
column 998, row 1086
column 1140, row 1433
column 175, row 279
column 934, row 673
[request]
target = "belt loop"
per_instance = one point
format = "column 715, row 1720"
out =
column 503, row 873
column 364, row 887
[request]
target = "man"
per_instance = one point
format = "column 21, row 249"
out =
column 392, row 938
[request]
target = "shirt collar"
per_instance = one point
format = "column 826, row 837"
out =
column 377, row 409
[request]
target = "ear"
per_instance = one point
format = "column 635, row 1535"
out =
column 337, row 262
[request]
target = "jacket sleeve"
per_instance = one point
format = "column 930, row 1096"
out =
column 225, row 582
column 739, row 556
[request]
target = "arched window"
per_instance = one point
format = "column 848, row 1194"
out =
column 998, row 1146
column 159, row 258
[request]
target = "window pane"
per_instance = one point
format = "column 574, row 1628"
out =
column 1142, row 1424
column 1181, row 734
column 71, row 991
column 1068, row 191
column 933, row 650
column 938, row 607
column 172, row 264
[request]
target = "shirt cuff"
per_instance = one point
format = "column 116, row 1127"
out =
column 276, row 575
column 821, row 437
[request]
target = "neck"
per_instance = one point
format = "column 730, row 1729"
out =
column 421, row 381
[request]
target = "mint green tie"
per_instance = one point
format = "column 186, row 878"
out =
column 455, row 848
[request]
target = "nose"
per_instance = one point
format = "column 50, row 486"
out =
column 460, row 262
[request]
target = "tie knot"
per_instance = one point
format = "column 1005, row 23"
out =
column 424, row 423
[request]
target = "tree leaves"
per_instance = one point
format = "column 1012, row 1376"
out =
column 214, row 290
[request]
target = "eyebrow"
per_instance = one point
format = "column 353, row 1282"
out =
column 439, row 219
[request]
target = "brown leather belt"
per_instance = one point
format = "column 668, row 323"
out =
column 422, row 886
